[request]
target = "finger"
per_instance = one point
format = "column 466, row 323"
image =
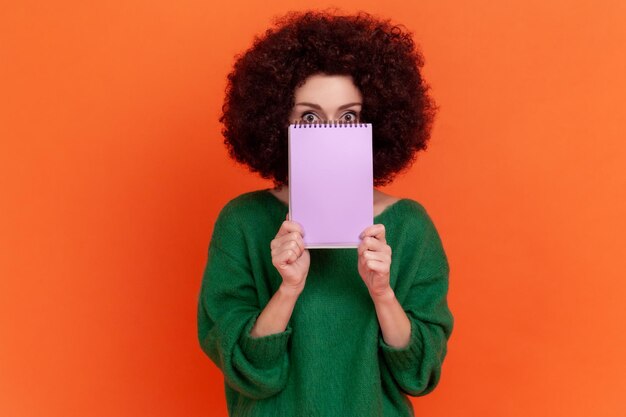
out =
column 283, row 259
column 289, row 245
column 288, row 226
column 372, row 244
column 295, row 236
column 376, row 256
column 377, row 231
column 380, row 267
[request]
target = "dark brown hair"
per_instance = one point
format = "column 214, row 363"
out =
column 381, row 58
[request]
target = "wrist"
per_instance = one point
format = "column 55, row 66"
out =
column 289, row 291
column 384, row 296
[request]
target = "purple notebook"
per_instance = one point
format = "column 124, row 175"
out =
column 331, row 187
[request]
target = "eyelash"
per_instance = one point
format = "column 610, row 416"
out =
column 307, row 113
column 352, row 113
column 355, row 117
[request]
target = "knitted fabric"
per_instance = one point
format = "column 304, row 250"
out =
column 331, row 360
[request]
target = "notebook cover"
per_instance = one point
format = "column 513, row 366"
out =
column 331, row 184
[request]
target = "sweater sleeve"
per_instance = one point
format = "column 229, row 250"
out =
column 228, row 307
column 416, row 368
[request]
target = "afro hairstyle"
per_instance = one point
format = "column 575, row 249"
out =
column 383, row 62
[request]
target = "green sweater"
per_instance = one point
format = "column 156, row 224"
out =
column 331, row 360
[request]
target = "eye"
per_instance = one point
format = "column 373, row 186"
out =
column 349, row 117
column 309, row 117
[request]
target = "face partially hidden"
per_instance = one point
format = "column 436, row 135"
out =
column 327, row 98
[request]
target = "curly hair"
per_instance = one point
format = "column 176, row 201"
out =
column 383, row 62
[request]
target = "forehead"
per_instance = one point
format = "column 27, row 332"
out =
column 328, row 89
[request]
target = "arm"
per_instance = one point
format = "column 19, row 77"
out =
column 414, row 331
column 374, row 267
column 275, row 316
column 228, row 308
column 394, row 323
column 416, row 368
column 292, row 262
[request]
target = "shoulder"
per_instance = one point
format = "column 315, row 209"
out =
column 413, row 215
column 253, row 212
column 239, row 220
column 239, row 211
column 400, row 206
column 413, row 224
column 415, row 229
column 247, row 200
column 245, row 205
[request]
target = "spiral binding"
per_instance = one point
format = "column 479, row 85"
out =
column 328, row 123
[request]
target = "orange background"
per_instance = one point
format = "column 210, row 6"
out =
column 112, row 171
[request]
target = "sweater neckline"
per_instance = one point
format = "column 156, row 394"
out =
column 387, row 209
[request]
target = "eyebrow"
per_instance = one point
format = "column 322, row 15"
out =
column 318, row 107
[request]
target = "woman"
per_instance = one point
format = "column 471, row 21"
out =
column 326, row 332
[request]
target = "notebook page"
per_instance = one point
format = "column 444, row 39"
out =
column 331, row 182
